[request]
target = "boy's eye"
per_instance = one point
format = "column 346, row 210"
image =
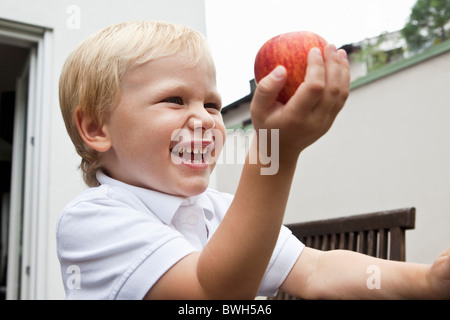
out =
column 212, row 106
column 175, row 100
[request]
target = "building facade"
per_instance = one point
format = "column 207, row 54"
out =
column 389, row 148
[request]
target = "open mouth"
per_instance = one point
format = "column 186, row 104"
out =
column 192, row 153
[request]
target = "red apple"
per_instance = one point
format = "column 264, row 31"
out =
column 291, row 51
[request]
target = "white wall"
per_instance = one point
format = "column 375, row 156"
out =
column 64, row 179
column 388, row 149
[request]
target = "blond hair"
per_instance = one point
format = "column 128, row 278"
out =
column 91, row 76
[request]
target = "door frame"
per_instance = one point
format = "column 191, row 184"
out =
column 27, row 240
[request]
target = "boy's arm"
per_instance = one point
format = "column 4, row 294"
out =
column 341, row 274
column 232, row 264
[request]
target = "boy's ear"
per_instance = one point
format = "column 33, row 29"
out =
column 93, row 134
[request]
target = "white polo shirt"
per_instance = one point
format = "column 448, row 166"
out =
column 116, row 240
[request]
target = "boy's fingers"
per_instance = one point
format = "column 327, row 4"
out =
column 334, row 76
column 337, row 82
column 310, row 91
column 345, row 78
column 268, row 89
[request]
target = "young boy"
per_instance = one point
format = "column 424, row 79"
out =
column 140, row 104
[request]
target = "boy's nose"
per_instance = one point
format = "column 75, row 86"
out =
column 201, row 118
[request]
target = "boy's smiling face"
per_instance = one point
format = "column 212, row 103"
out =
column 158, row 99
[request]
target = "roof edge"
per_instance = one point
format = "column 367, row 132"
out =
column 401, row 65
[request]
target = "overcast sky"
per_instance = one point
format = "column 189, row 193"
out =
column 236, row 29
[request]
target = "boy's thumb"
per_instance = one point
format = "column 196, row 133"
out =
column 268, row 89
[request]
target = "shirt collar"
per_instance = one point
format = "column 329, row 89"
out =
column 161, row 204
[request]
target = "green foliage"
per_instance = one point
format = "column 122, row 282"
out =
column 371, row 54
column 429, row 24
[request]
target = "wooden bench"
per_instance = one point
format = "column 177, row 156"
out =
column 379, row 234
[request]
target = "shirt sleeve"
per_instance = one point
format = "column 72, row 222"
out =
column 119, row 252
column 285, row 254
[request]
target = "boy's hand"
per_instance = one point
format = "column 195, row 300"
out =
column 312, row 109
column 440, row 276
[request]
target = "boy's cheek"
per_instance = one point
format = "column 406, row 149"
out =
column 220, row 125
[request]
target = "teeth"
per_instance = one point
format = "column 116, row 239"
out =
column 195, row 150
column 194, row 154
column 178, row 150
column 198, row 150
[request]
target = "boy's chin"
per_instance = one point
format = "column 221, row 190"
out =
column 194, row 190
